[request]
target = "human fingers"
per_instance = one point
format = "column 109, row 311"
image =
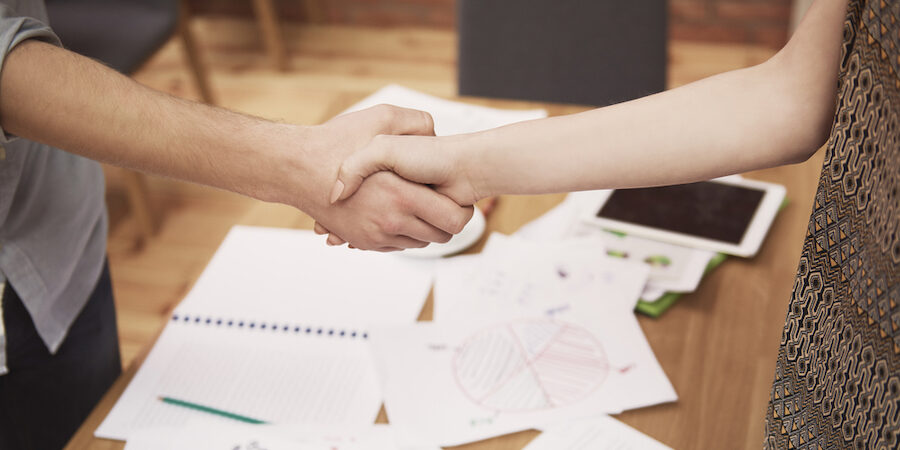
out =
column 438, row 210
column 402, row 242
column 413, row 158
column 334, row 239
column 419, row 229
column 397, row 120
column 392, row 242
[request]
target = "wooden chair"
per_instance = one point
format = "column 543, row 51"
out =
column 125, row 34
column 267, row 20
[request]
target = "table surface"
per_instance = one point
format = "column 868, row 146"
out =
column 717, row 345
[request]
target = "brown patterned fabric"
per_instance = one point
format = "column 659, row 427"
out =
column 837, row 377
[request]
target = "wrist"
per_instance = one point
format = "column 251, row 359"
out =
column 471, row 154
column 295, row 167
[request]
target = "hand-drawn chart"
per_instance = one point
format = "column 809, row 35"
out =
column 530, row 365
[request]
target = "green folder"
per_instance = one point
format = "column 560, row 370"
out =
column 656, row 308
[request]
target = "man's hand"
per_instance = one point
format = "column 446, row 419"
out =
column 388, row 213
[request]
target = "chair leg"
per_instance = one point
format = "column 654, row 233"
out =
column 192, row 55
column 268, row 24
column 136, row 185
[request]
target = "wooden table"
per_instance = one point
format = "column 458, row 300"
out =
column 717, row 345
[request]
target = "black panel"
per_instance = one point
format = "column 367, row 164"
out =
column 709, row 210
column 593, row 52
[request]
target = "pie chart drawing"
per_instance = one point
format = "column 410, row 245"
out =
column 530, row 365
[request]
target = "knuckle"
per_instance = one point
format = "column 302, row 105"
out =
column 402, row 202
column 392, row 186
column 387, row 113
column 391, row 226
column 457, row 223
column 379, row 148
column 379, row 142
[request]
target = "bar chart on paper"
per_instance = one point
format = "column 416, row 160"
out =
column 530, row 365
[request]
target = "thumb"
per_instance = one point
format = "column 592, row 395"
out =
column 356, row 168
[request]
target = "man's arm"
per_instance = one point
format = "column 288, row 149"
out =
column 775, row 113
column 62, row 99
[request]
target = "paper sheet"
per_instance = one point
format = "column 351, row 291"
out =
column 493, row 373
column 596, row 433
column 280, row 275
column 674, row 268
column 222, row 435
column 513, row 276
column 274, row 375
column 450, row 117
column 219, row 438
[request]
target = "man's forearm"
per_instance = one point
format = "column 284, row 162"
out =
column 57, row 97
column 53, row 96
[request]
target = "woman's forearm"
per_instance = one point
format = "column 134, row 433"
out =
column 734, row 122
column 775, row 113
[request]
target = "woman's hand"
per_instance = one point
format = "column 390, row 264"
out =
column 429, row 160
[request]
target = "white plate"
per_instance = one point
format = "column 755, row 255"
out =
column 465, row 239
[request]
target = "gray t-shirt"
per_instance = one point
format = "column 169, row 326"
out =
column 52, row 211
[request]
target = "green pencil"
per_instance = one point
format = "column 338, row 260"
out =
column 207, row 409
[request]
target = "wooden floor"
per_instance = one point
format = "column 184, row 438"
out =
column 327, row 65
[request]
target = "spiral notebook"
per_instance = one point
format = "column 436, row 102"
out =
column 275, row 329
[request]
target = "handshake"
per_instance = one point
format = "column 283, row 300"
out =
column 383, row 181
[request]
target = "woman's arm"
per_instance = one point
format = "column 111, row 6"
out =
column 775, row 113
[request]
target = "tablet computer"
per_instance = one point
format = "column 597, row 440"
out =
column 729, row 215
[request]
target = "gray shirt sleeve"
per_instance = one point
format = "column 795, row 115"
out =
column 14, row 29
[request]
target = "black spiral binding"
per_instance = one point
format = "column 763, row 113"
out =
column 273, row 326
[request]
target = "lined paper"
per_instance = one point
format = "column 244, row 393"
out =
column 275, row 329
column 274, row 376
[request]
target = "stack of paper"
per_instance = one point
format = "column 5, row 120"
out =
column 682, row 271
column 525, row 334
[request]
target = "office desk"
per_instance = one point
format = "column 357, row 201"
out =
column 717, row 345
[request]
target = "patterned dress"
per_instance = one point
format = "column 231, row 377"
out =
column 837, row 377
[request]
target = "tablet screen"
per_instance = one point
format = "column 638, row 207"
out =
column 716, row 211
